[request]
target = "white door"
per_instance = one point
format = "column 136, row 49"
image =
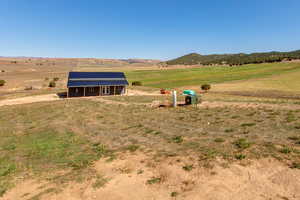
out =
column 105, row 90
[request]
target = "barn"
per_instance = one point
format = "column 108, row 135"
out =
column 96, row 83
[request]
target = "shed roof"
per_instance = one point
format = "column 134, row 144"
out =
column 84, row 79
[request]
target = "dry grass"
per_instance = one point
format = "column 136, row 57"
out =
column 73, row 133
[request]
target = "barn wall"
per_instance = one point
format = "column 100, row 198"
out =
column 94, row 91
column 75, row 92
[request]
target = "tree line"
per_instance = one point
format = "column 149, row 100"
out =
column 235, row 59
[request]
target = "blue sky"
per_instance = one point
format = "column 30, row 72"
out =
column 158, row 29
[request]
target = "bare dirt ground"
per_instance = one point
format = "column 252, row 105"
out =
column 128, row 179
column 30, row 99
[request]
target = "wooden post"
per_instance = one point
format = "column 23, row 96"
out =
column 114, row 90
column 68, row 92
column 84, row 91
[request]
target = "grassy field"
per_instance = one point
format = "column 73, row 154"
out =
column 173, row 78
column 39, row 140
column 60, row 141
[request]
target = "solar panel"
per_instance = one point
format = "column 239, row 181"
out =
column 85, row 79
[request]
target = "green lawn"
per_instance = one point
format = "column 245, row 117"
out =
column 173, row 78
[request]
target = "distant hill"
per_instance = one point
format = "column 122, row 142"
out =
column 234, row 59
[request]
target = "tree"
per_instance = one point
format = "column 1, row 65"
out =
column 136, row 83
column 52, row 84
column 2, row 82
column 205, row 87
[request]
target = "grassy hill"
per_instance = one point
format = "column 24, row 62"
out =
column 173, row 78
column 234, row 59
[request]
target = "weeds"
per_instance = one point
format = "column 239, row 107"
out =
column 188, row 167
column 240, row 156
column 248, row 124
column 219, row 140
column 295, row 165
column 100, row 182
column 229, row 130
column 242, row 143
column 154, row 180
column 285, row 150
column 132, row 147
column 174, row 194
column 177, row 139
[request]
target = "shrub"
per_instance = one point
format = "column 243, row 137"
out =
column 174, row 194
column 55, row 79
column 230, row 130
column 205, row 87
column 188, row 167
column 220, row 140
column 248, row 124
column 285, row 150
column 295, row 165
column 132, row 147
column 52, row 84
column 2, row 82
column 177, row 139
column 2, row 191
column 240, row 156
column 136, row 83
column 242, row 143
column 154, row 180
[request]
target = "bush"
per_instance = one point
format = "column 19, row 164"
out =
column 220, row 140
column 177, row 139
column 242, row 143
column 2, row 82
column 240, row 156
column 136, row 83
column 205, row 87
column 55, row 79
column 52, row 84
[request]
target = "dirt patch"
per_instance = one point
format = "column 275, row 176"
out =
column 134, row 177
column 30, row 99
column 54, row 97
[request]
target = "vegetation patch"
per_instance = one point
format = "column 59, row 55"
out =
column 219, row 140
column 177, row 139
column 132, row 147
column 2, row 82
column 174, row 194
column 248, row 124
column 285, row 150
column 188, row 167
column 154, row 180
column 240, row 156
column 100, row 182
column 242, row 143
column 295, row 165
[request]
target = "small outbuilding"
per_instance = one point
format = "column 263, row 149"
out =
column 96, row 84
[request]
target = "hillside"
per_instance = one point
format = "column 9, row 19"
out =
column 234, row 59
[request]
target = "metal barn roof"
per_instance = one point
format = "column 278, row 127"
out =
column 84, row 79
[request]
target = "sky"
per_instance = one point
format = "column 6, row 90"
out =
column 153, row 29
